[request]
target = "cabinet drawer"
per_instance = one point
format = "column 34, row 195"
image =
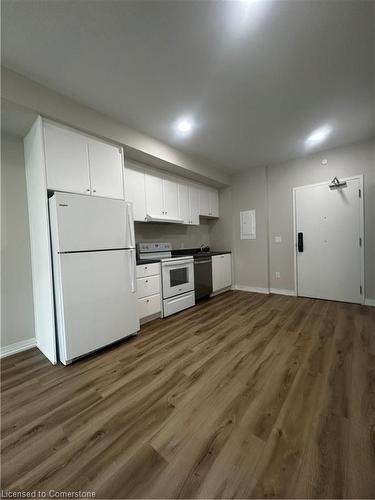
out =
column 148, row 306
column 176, row 304
column 148, row 286
column 147, row 270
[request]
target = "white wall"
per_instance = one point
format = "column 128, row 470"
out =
column 342, row 162
column 221, row 230
column 269, row 191
column 17, row 321
column 249, row 192
column 179, row 235
column 22, row 95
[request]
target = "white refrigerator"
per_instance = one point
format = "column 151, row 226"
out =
column 93, row 252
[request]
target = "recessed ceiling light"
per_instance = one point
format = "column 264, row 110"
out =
column 184, row 125
column 319, row 135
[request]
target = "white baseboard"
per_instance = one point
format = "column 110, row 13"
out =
column 255, row 289
column 370, row 302
column 23, row 345
column 282, row 291
column 222, row 290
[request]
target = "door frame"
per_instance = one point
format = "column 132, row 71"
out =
column 361, row 229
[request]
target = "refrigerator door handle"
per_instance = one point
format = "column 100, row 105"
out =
column 129, row 211
column 132, row 270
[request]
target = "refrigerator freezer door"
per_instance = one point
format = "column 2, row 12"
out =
column 80, row 222
column 95, row 300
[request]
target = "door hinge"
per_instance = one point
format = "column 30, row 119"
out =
column 359, row 193
column 360, row 289
column 360, row 242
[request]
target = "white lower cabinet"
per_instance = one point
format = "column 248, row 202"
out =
column 144, row 270
column 148, row 306
column 148, row 286
column 148, row 290
column 221, row 272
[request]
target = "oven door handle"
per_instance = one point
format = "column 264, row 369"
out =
column 177, row 265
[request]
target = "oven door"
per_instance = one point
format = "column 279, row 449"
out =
column 178, row 277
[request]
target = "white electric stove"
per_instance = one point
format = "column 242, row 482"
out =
column 177, row 275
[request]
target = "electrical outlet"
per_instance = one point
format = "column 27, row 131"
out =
column 277, row 275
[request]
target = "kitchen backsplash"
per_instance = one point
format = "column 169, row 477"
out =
column 180, row 235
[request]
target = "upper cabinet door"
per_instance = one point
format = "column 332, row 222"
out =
column 204, row 201
column 214, row 203
column 170, row 192
column 194, row 205
column 66, row 158
column 183, row 203
column 106, row 169
column 154, row 194
column 135, row 192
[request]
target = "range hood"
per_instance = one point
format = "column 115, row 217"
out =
column 162, row 218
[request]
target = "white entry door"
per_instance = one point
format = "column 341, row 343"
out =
column 328, row 232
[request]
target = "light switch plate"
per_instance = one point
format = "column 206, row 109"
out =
column 278, row 239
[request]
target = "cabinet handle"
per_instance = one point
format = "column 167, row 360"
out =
column 88, row 189
column 148, row 300
column 146, row 268
column 146, row 281
column 94, row 190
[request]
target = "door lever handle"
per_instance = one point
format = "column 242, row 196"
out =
column 300, row 242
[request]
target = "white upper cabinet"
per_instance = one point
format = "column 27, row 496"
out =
column 214, row 203
column 135, row 191
column 78, row 163
column 161, row 196
column 208, row 202
column 170, row 195
column 188, row 201
column 154, row 195
column 106, row 169
column 194, row 205
column 183, row 203
column 66, row 157
column 204, row 201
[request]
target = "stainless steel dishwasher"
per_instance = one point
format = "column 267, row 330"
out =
column 202, row 276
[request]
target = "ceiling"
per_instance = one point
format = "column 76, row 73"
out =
column 257, row 76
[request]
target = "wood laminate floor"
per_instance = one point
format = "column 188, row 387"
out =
column 244, row 396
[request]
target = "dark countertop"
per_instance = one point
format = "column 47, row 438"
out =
column 196, row 252
column 218, row 253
